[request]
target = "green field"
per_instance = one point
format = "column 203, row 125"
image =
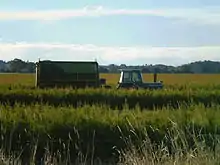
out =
column 179, row 124
column 168, row 79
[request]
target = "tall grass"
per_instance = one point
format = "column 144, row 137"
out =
column 176, row 125
column 145, row 99
column 97, row 132
column 146, row 154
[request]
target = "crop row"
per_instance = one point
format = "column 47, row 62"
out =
column 176, row 86
column 99, row 129
column 112, row 98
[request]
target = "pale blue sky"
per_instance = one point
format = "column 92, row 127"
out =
column 57, row 4
column 146, row 31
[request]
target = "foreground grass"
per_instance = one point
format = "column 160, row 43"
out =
column 145, row 99
column 98, row 132
column 57, row 127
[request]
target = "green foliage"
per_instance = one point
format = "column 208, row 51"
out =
column 100, row 123
column 18, row 65
column 81, row 129
column 113, row 98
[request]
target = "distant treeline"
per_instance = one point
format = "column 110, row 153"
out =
column 20, row 66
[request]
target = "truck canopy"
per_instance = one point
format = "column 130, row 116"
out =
column 57, row 73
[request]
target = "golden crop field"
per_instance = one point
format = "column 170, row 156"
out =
column 168, row 79
column 97, row 123
column 171, row 79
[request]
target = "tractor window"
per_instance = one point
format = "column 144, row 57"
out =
column 127, row 77
column 136, row 76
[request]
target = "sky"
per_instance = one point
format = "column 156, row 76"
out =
column 111, row 31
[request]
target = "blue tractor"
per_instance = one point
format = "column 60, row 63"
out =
column 132, row 79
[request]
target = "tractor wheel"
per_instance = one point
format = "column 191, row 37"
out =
column 135, row 87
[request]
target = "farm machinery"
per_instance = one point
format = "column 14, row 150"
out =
column 133, row 79
column 81, row 74
column 77, row 74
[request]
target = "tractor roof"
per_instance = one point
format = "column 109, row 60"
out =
column 130, row 69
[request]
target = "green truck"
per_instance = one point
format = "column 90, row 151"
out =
column 76, row 74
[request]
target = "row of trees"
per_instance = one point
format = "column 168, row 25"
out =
column 20, row 66
column 195, row 67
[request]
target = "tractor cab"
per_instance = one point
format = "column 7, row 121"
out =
column 132, row 78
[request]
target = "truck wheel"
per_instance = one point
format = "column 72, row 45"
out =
column 107, row 87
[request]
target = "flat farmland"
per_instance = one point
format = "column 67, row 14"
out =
column 171, row 79
column 112, row 79
column 16, row 78
column 179, row 124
